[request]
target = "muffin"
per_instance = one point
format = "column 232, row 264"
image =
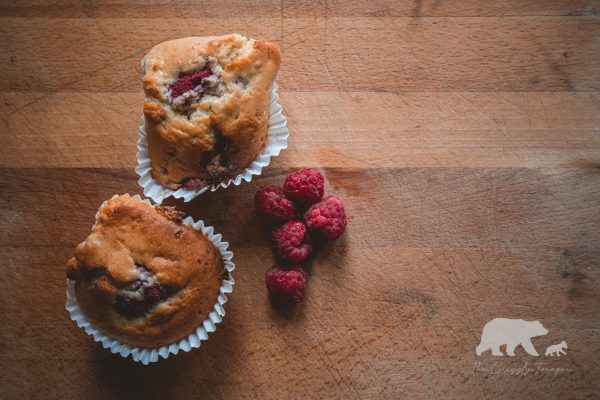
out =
column 144, row 277
column 206, row 107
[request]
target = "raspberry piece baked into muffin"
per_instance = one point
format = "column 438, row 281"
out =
column 144, row 277
column 207, row 107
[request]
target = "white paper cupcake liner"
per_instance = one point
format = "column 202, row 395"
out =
column 277, row 140
column 193, row 340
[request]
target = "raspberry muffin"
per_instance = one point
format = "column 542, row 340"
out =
column 142, row 276
column 206, row 107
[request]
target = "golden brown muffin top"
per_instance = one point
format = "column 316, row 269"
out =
column 206, row 107
column 144, row 277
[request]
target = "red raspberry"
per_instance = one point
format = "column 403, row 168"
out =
column 155, row 293
column 304, row 186
column 188, row 82
column 328, row 217
column 271, row 203
column 292, row 242
column 191, row 183
column 286, row 286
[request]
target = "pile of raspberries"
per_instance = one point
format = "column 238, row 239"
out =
column 301, row 216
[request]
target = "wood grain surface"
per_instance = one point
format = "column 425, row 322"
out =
column 463, row 136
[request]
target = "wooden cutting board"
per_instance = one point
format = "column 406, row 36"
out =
column 464, row 137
